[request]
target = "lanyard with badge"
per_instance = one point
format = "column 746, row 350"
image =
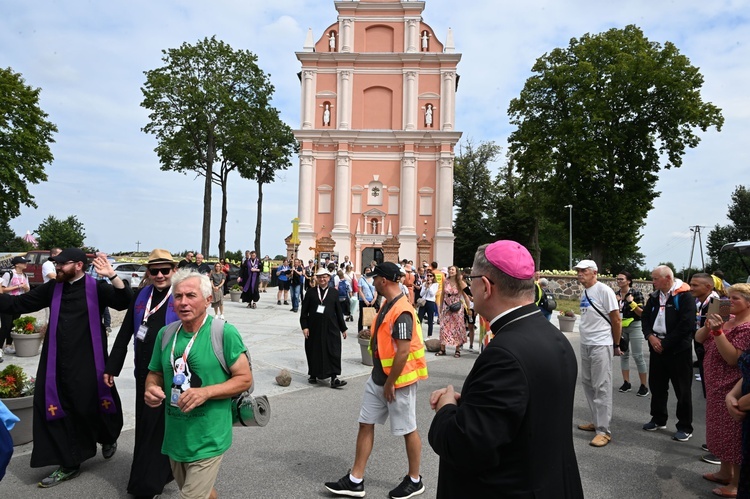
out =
column 179, row 378
column 143, row 328
column 321, row 307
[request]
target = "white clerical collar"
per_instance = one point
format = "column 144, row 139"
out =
column 76, row 279
column 504, row 313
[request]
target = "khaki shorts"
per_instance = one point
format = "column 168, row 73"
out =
column 402, row 411
column 196, row 479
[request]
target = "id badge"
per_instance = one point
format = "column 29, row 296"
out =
column 141, row 334
column 175, row 396
column 321, row 309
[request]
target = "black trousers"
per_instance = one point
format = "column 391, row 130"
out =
column 6, row 326
column 678, row 369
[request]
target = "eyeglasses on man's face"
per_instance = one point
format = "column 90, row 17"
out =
column 479, row 276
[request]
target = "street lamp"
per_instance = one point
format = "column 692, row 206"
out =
column 570, row 240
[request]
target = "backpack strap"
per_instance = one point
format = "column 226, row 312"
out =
column 169, row 331
column 217, row 343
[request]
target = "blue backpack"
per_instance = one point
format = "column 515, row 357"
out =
column 343, row 291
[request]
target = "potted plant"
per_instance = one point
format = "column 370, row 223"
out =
column 27, row 336
column 566, row 318
column 17, row 393
column 235, row 292
column 363, row 338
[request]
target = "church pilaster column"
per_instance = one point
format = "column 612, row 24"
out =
column 445, row 196
column 341, row 206
column 345, row 100
column 412, row 35
column 305, row 195
column 448, row 100
column 410, row 100
column 308, row 100
column 346, row 24
column 408, row 192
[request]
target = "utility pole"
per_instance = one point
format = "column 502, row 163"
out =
column 696, row 230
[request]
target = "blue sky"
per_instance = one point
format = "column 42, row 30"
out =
column 89, row 58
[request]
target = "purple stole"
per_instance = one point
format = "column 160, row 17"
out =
column 139, row 311
column 53, row 408
column 252, row 276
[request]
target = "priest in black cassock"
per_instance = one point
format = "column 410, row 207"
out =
column 151, row 310
column 323, row 325
column 73, row 407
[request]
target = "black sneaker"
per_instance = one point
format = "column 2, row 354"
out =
column 710, row 459
column 643, row 391
column 704, row 447
column 407, row 488
column 626, row 387
column 278, row 302
column 345, row 487
column 58, row 476
column 109, row 450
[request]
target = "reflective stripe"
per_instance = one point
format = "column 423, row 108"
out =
column 412, row 356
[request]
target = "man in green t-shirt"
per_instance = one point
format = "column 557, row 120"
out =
column 186, row 372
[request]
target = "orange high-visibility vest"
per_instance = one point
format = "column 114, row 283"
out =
column 416, row 364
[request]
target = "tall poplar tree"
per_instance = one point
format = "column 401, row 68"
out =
column 196, row 102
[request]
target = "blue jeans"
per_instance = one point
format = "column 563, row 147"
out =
column 296, row 290
column 429, row 309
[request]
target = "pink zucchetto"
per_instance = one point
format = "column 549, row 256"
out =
column 512, row 258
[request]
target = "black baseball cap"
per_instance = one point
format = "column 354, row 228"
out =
column 18, row 259
column 70, row 255
column 389, row 270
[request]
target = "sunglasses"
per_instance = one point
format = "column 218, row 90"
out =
column 161, row 270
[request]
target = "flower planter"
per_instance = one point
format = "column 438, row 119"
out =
column 566, row 323
column 363, row 347
column 23, row 407
column 27, row 345
column 235, row 295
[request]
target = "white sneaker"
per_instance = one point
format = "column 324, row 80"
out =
column 221, row 317
column 10, row 349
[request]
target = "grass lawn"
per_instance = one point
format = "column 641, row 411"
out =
column 562, row 304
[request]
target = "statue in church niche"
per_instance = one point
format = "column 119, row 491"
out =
column 425, row 40
column 327, row 115
column 428, row 115
column 374, row 223
column 332, row 42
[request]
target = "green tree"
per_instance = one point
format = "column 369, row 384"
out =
column 54, row 232
column 25, row 136
column 473, row 199
column 596, row 122
column 10, row 242
column 197, row 102
column 738, row 230
column 264, row 147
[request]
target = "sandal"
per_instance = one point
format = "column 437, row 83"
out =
column 337, row 383
column 722, row 492
column 439, row 353
column 457, row 354
column 711, row 477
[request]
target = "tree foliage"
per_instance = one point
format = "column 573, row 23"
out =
column 25, row 136
column 264, row 148
column 200, row 100
column 54, row 232
column 738, row 230
column 473, row 199
column 595, row 122
column 10, row 242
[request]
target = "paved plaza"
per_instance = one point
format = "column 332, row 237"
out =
column 310, row 438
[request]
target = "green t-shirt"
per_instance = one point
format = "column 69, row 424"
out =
column 206, row 431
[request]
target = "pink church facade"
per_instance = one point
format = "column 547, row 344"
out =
column 377, row 136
